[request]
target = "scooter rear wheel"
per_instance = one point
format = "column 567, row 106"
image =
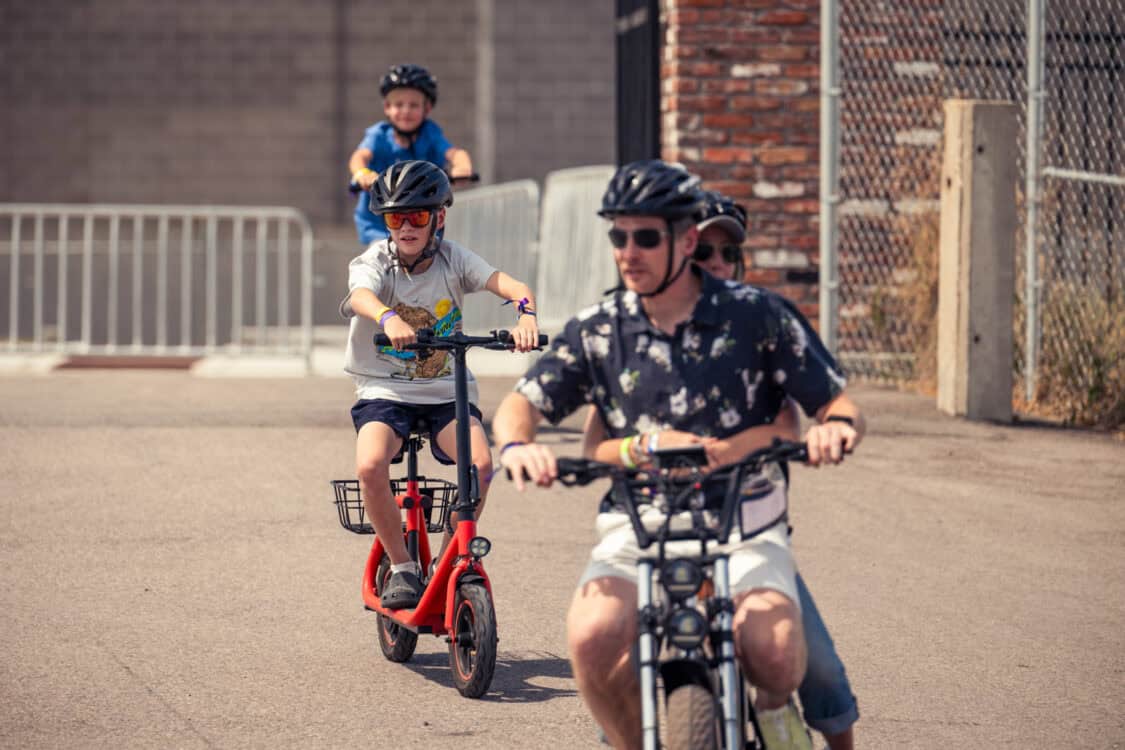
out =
column 472, row 641
column 398, row 643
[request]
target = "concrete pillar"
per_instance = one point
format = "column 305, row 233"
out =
column 977, row 272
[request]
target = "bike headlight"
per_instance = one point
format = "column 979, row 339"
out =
column 681, row 578
column 479, row 546
column 686, row 629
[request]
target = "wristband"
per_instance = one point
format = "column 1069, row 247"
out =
column 653, row 442
column 840, row 418
column 521, row 306
column 626, row 452
column 386, row 314
column 512, row 444
column 356, row 174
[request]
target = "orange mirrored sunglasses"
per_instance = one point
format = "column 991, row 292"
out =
column 416, row 218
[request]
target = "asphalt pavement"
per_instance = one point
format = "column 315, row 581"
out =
column 172, row 574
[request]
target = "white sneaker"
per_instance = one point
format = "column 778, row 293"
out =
column 782, row 729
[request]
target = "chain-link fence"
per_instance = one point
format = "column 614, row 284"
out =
column 897, row 62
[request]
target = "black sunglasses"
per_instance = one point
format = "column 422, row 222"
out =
column 646, row 238
column 703, row 250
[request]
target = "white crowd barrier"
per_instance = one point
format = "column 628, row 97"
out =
column 156, row 280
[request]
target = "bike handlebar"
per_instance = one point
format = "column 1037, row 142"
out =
column 683, row 487
column 425, row 339
column 582, row 471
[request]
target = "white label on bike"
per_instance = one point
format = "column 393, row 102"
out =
column 764, row 503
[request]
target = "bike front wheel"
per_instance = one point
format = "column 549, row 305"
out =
column 472, row 642
column 398, row 643
column 693, row 719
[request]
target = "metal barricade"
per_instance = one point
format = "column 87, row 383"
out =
column 156, row 280
column 500, row 223
column 575, row 262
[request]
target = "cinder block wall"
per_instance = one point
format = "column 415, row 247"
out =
column 237, row 102
column 740, row 108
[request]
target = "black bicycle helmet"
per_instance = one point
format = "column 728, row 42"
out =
column 719, row 210
column 410, row 186
column 652, row 187
column 410, row 77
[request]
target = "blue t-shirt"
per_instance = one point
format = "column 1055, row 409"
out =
column 430, row 145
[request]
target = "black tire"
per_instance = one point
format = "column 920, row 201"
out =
column 472, row 641
column 692, row 719
column 398, row 643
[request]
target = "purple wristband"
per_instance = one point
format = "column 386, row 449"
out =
column 384, row 316
column 512, row 444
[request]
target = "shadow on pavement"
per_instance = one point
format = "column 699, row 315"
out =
column 517, row 679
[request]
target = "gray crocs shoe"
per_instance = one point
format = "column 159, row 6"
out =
column 403, row 590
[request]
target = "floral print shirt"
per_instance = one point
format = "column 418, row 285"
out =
column 726, row 368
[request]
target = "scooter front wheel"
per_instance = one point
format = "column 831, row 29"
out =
column 692, row 719
column 398, row 643
column 472, row 641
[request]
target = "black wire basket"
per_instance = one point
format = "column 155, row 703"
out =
column 438, row 496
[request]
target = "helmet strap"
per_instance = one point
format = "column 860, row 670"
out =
column 669, row 276
column 411, row 134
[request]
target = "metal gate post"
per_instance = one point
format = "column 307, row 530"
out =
column 829, row 172
column 1035, row 10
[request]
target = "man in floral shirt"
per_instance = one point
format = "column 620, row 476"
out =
column 677, row 357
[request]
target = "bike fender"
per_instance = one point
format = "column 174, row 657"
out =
column 678, row 672
column 464, row 573
column 471, row 578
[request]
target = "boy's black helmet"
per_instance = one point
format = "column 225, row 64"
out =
column 410, row 77
column 719, row 210
column 410, row 186
column 652, row 187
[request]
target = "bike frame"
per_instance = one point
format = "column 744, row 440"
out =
column 434, row 613
column 718, row 606
column 728, row 669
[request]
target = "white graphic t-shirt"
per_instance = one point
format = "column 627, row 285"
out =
column 423, row 300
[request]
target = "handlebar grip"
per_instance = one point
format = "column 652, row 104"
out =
column 353, row 188
column 422, row 337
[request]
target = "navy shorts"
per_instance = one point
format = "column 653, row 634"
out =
column 407, row 418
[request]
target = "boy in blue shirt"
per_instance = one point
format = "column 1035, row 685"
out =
column 409, row 94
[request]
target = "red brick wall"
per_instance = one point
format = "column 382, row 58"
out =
column 741, row 109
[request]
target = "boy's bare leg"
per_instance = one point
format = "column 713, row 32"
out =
column 481, row 456
column 601, row 627
column 375, row 446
